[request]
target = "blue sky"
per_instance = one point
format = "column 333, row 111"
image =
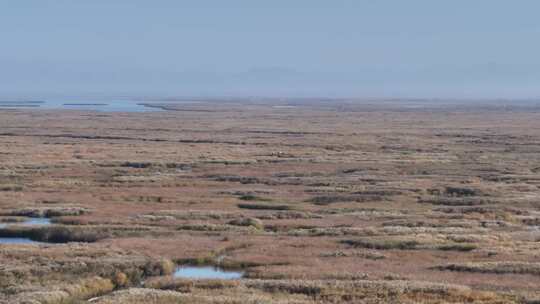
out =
column 362, row 48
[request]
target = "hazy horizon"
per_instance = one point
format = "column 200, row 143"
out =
column 365, row 49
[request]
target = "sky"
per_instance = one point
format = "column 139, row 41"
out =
column 278, row 48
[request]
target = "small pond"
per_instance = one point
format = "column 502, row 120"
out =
column 206, row 272
column 33, row 221
column 17, row 240
column 37, row 221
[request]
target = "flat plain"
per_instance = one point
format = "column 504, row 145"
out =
column 326, row 202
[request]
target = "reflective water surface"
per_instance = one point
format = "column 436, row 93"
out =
column 107, row 106
column 37, row 221
column 29, row 222
column 206, row 272
column 17, row 240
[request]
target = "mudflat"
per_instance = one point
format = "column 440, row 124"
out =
column 313, row 202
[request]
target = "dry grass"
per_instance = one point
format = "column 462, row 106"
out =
column 495, row 267
column 279, row 291
column 323, row 202
column 258, row 206
column 382, row 244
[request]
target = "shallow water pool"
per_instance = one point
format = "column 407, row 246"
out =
column 17, row 240
column 206, row 272
column 29, row 222
column 37, row 221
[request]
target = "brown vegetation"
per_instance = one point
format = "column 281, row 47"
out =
column 343, row 202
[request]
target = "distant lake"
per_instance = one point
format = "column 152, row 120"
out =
column 101, row 106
